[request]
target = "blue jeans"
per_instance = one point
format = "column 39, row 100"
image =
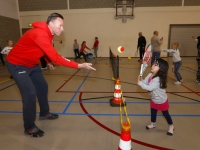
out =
column 76, row 53
column 32, row 85
column 177, row 66
column 155, row 55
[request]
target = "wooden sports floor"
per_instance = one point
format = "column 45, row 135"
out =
column 88, row 122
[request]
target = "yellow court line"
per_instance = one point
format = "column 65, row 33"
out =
column 5, row 81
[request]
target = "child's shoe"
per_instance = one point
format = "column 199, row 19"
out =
column 177, row 83
column 151, row 126
column 171, row 130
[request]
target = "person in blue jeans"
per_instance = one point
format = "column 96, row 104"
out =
column 155, row 42
column 176, row 61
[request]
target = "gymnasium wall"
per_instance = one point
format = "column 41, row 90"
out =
column 9, row 25
column 85, row 24
column 34, row 5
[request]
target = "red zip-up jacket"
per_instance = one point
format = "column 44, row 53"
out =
column 83, row 48
column 35, row 43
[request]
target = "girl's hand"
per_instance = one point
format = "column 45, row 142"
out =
column 139, row 79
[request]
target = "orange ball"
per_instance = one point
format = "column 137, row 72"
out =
column 120, row 49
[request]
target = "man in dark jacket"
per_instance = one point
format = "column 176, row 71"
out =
column 141, row 45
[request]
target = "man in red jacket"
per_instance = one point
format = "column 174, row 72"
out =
column 23, row 64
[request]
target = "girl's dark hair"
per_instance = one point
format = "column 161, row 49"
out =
column 53, row 16
column 162, row 72
column 82, row 43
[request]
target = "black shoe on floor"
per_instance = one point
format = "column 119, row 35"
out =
column 35, row 132
column 169, row 133
column 49, row 116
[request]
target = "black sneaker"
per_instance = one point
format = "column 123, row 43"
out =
column 35, row 132
column 49, row 116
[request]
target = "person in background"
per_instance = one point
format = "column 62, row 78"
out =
column 197, row 39
column 23, row 64
column 141, row 45
column 1, row 57
column 176, row 61
column 156, row 83
column 76, row 49
column 155, row 42
column 95, row 46
column 7, row 49
column 83, row 51
column 9, row 46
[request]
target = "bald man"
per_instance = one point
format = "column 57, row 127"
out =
column 155, row 42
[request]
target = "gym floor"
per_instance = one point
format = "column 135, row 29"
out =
column 88, row 122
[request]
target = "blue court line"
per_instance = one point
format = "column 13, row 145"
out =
column 107, row 115
column 64, row 111
column 92, row 102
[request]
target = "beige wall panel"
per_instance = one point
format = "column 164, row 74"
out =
column 84, row 25
column 25, row 20
column 8, row 8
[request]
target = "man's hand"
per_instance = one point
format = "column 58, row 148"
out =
column 86, row 66
column 51, row 66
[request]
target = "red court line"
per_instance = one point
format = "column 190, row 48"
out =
column 190, row 68
column 113, row 92
column 197, row 93
column 67, row 81
column 116, row 133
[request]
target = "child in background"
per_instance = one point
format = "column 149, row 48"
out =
column 1, row 57
column 95, row 46
column 82, row 50
column 155, row 83
column 76, row 49
column 7, row 49
column 9, row 46
column 176, row 61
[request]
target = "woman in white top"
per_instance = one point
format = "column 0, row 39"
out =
column 176, row 61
